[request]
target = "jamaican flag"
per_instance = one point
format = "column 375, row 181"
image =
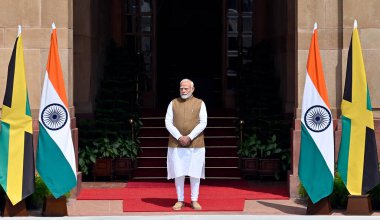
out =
column 16, row 141
column 357, row 162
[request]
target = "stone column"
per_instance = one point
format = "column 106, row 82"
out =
column 328, row 15
column 91, row 36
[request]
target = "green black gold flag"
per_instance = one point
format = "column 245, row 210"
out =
column 357, row 162
column 16, row 140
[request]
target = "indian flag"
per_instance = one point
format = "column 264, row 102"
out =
column 316, row 162
column 55, row 153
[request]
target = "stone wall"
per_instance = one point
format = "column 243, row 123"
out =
column 36, row 17
column 335, row 20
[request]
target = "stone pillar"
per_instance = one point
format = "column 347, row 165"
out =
column 91, row 35
column 82, row 55
column 328, row 15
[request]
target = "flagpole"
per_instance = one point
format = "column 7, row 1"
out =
column 17, row 168
column 316, row 145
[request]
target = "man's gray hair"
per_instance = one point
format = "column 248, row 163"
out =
column 187, row 80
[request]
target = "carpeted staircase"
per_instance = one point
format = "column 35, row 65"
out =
column 221, row 141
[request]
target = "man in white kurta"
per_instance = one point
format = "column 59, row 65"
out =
column 186, row 118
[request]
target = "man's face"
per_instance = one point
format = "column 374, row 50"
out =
column 185, row 89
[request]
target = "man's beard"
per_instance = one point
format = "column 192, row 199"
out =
column 188, row 95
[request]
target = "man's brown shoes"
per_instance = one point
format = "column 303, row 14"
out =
column 195, row 205
column 178, row 206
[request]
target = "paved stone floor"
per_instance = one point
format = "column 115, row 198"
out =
column 252, row 207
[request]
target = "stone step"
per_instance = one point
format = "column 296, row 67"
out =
column 220, row 138
column 211, row 121
column 210, row 113
column 209, row 141
column 211, row 151
column 210, row 172
column 210, row 162
column 209, row 131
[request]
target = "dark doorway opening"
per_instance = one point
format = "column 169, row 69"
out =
column 189, row 45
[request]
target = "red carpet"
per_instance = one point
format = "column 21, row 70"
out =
column 164, row 205
column 154, row 196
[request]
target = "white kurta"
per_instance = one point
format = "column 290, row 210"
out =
column 186, row 161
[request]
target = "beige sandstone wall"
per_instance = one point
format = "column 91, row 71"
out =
column 36, row 17
column 335, row 23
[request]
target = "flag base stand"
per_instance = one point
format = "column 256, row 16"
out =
column 54, row 207
column 14, row 210
column 359, row 205
column 322, row 207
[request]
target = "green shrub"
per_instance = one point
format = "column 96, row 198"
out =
column 86, row 157
column 302, row 192
column 40, row 192
column 269, row 148
column 339, row 194
column 338, row 197
column 106, row 148
column 249, row 147
column 127, row 148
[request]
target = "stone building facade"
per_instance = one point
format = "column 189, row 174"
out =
column 82, row 35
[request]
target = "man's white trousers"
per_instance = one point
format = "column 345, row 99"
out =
column 180, row 188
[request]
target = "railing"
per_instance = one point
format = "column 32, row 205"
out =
column 132, row 123
column 241, row 122
column 138, row 79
